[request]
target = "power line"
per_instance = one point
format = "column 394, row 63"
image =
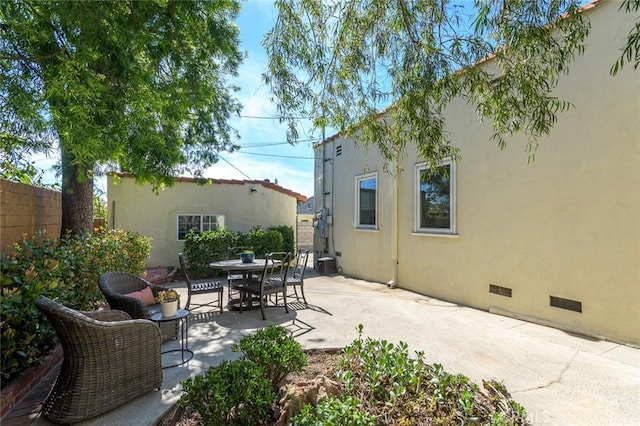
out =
column 262, row 117
column 280, row 156
column 229, row 163
column 259, row 144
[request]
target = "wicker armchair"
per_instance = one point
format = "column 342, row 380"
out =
column 109, row 359
column 115, row 285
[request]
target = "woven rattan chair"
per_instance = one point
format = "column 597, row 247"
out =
column 272, row 282
column 115, row 285
column 211, row 287
column 109, row 359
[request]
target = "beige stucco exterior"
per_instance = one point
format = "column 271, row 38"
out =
column 244, row 205
column 567, row 225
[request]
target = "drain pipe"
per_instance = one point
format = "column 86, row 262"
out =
column 394, row 230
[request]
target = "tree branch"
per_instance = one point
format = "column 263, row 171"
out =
column 32, row 58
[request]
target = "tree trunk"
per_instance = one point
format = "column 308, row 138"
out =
column 77, row 196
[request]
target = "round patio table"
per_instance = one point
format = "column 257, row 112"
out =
column 247, row 270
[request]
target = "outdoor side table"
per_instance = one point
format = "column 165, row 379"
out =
column 181, row 316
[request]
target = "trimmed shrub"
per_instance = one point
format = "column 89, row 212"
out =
column 262, row 241
column 66, row 270
column 288, row 237
column 200, row 249
column 274, row 350
column 232, row 393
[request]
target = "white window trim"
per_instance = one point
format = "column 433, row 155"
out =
column 218, row 216
column 451, row 231
column 356, row 202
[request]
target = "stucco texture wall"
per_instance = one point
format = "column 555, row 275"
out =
column 567, row 225
column 26, row 209
column 135, row 207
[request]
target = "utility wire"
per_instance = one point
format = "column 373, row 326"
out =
column 258, row 144
column 229, row 163
column 279, row 156
column 259, row 117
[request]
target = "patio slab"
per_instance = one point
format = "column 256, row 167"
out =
column 560, row 378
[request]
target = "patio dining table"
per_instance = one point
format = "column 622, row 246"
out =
column 246, row 269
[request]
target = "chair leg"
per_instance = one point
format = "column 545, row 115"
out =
column 302, row 292
column 262, row 309
column 284, row 294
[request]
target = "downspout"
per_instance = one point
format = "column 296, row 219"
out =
column 394, row 230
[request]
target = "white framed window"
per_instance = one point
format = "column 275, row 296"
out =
column 198, row 223
column 435, row 198
column 366, row 202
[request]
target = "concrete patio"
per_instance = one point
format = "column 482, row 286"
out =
column 560, row 378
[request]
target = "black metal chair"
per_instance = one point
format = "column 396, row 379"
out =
column 272, row 282
column 197, row 288
column 296, row 277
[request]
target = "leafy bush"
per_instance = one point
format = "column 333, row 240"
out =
column 262, row 241
column 242, row 392
column 232, row 393
column 274, row 350
column 332, row 411
column 63, row 269
column 200, row 249
column 392, row 385
column 288, row 237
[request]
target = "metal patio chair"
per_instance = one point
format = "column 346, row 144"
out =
column 193, row 289
column 272, row 282
column 295, row 278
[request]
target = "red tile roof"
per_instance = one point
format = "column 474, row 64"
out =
column 264, row 183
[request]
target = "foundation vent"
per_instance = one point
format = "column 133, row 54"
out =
column 568, row 304
column 338, row 150
column 502, row 291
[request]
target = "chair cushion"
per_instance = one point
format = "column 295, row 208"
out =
column 146, row 295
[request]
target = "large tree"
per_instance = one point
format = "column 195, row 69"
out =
column 142, row 86
column 343, row 62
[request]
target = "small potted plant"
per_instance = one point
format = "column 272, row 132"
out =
column 168, row 300
column 247, row 256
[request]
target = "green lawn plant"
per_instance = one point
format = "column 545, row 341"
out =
column 382, row 383
column 333, row 411
column 398, row 388
column 64, row 269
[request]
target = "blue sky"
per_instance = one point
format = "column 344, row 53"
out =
column 264, row 153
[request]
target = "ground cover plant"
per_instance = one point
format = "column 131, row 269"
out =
column 369, row 382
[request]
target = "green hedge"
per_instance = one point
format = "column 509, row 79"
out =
column 65, row 269
column 200, row 249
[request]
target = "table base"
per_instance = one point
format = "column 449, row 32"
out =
column 182, row 353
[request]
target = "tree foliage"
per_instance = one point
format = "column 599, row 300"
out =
column 343, row 62
column 139, row 85
column 631, row 50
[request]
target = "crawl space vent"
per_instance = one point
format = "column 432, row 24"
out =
column 568, row 304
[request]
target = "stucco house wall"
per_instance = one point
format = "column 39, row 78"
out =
column 244, row 204
column 567, row 225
